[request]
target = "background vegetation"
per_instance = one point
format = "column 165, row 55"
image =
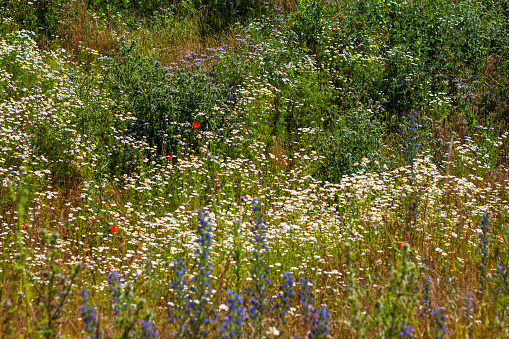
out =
column 254, row 169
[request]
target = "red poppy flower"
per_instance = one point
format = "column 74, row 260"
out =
column 284, row 162
column 400, row 243
column 25, row 226
column 333, row 30
column 137, row 258
column 339, row 16
column 113, row 229
column 196, row 125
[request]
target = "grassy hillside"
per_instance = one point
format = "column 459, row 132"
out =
column 203, row 169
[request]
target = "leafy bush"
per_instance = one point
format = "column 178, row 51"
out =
column 142, row 7
column 281, row 89
column 42, row 17
column 356, row 136
column 400, row 85
column 422, row 55
column 219, row 14
column 165, row 104
column 309, row 22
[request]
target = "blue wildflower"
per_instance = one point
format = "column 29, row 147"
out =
column 233, row 321
column 89, row 316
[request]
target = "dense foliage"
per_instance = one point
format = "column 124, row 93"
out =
column 204, row 169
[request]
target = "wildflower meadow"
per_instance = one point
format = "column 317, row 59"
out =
column 254, row 169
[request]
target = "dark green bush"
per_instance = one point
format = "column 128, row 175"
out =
column 219, row 14
column 44, row 17
column 141, row 7
column 424, row 48
column 309, row 21
column 166, row 101
column 355, row 136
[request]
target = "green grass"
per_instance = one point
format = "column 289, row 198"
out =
column 374, row 134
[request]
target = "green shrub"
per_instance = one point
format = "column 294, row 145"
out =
column 281, row 90
column 356, row 136
column 44, row 17
column 166, row 104
column 219, row 14
column 400, row 85
column 425, row 49
column 142, row 7
column 309, row 22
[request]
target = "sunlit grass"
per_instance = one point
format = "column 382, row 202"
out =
column 407, row 237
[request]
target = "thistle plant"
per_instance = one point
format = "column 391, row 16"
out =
column 414, row 212
column 406, row 332
column 501, row 285
column 469, row 307
column 501, row 293
column 148, row 274
column 147, row 330
column 115, row 291
column 121, row 304
column 448, row 281
column 306, row 300
column 438, row 318
column 257, row 292
column 200, row 291
column 426, row 296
